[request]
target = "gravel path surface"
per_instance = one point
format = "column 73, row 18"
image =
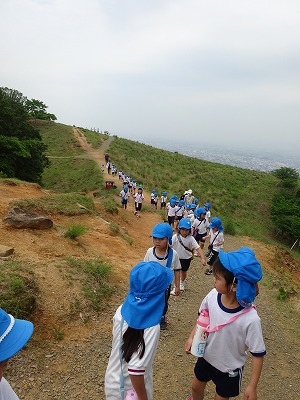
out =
column 75, row 369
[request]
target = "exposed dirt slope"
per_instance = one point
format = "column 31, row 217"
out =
column 74, row 367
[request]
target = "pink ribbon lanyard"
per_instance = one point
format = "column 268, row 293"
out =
column 218, row 327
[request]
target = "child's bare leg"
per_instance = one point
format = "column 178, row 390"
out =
column 217, row 397
column 198, row 389
column 183, row 275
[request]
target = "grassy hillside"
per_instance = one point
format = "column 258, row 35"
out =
column 241, row 197
column 67, row 172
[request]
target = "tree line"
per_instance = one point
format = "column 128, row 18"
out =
column 285, row 210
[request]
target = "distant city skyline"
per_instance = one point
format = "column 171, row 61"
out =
column 254, row 159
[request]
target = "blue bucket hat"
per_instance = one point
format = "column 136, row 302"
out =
column 125, row 188
column 144, row 304
column 207, row 205
column 216, row 223
column 185, row 223
column 172, row 202
column 245, row 267
column 14, row 334
column 164, row 193
column 199, row 211
column 162, row 230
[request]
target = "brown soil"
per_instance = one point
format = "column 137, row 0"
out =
column 74, row 368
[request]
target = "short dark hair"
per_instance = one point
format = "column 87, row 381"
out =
column 219, row 269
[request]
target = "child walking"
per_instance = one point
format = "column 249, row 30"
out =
column 179, row 209
column 124, row 196
column 163, row 200
column 138, row 200
column 200, row 226
column 207, row 208
column 171, row 212
column 185, row 244
column 136, row 333
column 166, row 256
column 216, row 239
column 230, row 331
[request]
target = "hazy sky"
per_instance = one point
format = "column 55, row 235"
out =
column 221, row 71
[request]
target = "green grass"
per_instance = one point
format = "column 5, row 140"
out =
column 60, row 139
column 94, row 138
column 72, row 174
column 74, row 231
column 95, row 284
column 18, row 289
column 66, row 204
column 240, row 197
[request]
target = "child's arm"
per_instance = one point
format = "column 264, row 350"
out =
column 200, row 252
column 138, row 384
column 250, row 392
column 188, row 343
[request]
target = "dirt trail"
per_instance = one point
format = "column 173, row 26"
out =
column 74, row 367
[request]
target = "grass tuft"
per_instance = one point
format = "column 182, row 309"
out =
column 74, row 231
column 96, row 286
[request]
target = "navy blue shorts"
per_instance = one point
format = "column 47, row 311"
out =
column 185, row 263
column 171, row 219
column 199, row 237
column 228, row 384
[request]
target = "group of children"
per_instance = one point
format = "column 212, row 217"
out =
column 137, row 323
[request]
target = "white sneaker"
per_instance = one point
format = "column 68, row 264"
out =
column 182, row 286
column 173, row 292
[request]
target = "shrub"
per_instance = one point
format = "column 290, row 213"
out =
column 74, row 231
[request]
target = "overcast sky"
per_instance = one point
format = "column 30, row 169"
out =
column 221, row 71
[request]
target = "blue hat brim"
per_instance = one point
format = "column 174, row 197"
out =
column 16, row 339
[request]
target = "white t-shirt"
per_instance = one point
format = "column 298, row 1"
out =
column 6, row 391
column 163, row 199
column 139, row 197
column 189, row 199
column 201, row 225
column 124, row 194
column 171, row 210
column 189, row 242
column 151, row 256
column 136, row 366
column 226, row 349
column 215, row 238
column 179, row 211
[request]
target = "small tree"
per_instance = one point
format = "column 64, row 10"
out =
column 288, row 176
column 37, row 110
